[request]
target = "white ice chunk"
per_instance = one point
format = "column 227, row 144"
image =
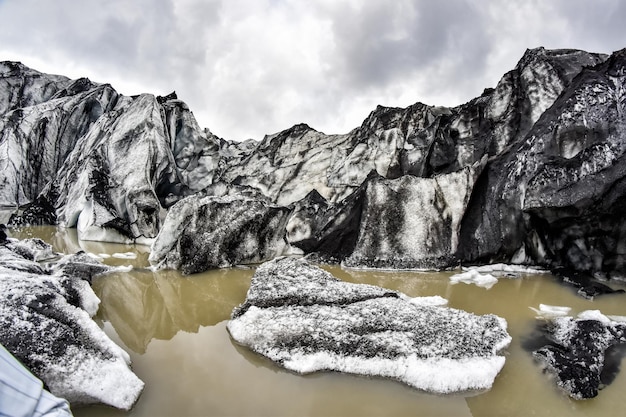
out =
column 594, row 315
column 474, row 277
column 550, row 311
column 505, row 269
column 307, row 320
column 125, row 255
column 97, row 257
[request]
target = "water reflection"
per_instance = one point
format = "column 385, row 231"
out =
column 143, row 305
column 66, row 241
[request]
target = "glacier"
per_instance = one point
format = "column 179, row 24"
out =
column 527, row 173
column 530, row 175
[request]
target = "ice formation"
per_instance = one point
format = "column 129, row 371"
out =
column 306, row 320
column 577, row 349
column 413, row 223
column 209, row 232
column 505, row 269
column 45, row 322
column 549, row 311
column 527, row 173
column 474, row 277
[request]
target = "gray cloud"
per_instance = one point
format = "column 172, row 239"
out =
column 250, row 67
column 389, row 40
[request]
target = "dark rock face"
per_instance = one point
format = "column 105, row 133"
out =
column 544, row 149
column 45, row 322
column 576, row 352
column 306, row 320
column 200, row 233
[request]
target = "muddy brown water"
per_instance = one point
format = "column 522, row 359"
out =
column 174, row 328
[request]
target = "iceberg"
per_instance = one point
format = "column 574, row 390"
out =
column 306, row 320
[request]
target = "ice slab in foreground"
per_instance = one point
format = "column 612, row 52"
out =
column 306, row 320
column 45, row 322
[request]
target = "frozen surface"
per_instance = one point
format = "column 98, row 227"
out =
column 45, row 321
column 125, row 255
column 33, row 249
column 307, row 320
column 434, row 300
column 413, row 222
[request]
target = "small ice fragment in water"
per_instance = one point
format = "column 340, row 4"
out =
column 125, row 255
column 548, row 311
column 474, row 277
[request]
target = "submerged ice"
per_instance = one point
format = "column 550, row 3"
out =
column 306, row 320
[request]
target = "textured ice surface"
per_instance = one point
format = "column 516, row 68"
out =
column 45, row 321
column 549, row 311
column 413, row 222
column 577, row 350
column 434, row 300
column 306, row 320
column 208, row 232
column 33, row 249
column 550, row 135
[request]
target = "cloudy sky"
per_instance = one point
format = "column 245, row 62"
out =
column 251, row 67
